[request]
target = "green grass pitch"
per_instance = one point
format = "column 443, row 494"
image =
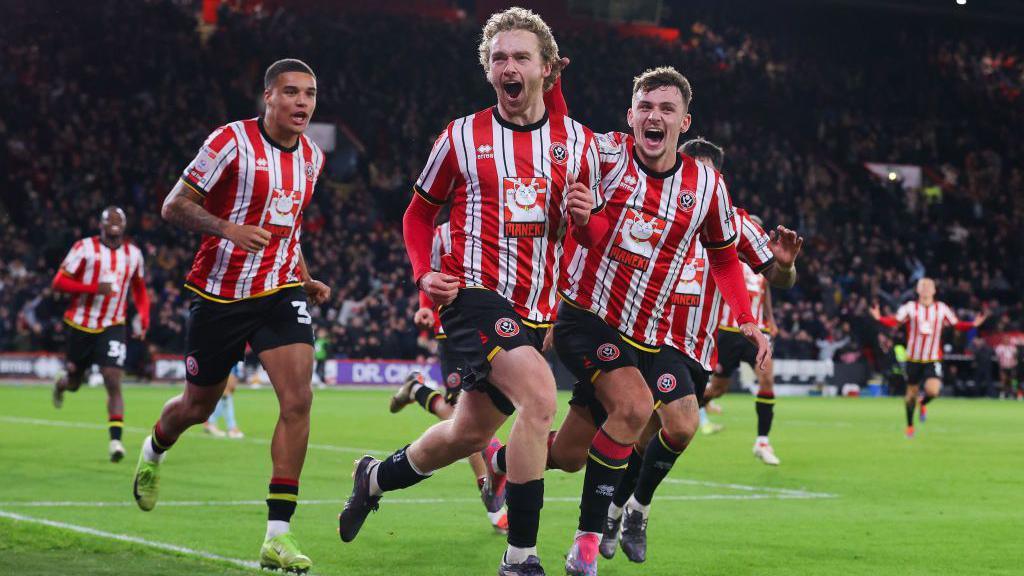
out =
column 853, row 496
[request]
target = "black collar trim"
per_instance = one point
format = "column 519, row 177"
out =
column 658, row 175
column 273, row 143
column 517, row 127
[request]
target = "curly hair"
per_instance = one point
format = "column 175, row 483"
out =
column 516, row 18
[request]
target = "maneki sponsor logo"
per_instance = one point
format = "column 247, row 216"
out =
column 525, row 201
column 636, row 239
column 688, row 290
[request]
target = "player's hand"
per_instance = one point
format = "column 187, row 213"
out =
column 980, row 319
column 424, row 319
column 549, row 340
column 558, row 67
column 104, row 289
column 141, row 334
column 440, row 288
column 317, row 291
column 248, row 238
column 785, row 245
column 875, row 311
column 579, row 201
column 773, row 330
column 764, row 350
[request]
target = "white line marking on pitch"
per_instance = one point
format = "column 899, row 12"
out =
column 127, row 538
column 780, row 493
column 136, row 429
column 570, row 499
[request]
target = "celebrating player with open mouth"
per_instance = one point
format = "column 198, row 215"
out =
column 925, row 318
column 689, row 329
column 518, row 179
column 98, row 272
column 245, row 193
column 608, row 329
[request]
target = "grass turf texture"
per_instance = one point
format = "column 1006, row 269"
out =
column 946, row 502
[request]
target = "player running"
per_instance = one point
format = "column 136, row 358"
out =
column 732, row 349
column 245, row 192
column 518, row 178
column 607, row 331
column 436, row 399
column 697, row 308
column 925, row 318
column 98, row 272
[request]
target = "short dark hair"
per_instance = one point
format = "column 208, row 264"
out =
column 282, row 66
column 701, row 147
column 661, row 77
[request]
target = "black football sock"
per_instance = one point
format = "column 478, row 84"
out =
column 911, row 404
column 424, row 397
column 605, row 467
column 659, row 457
column 396, row 472
column 524, row 502
column 115, row 424
column 927, row 399
column 282, row 499
column 764, row 404
column 158, row 441
column 628, row 483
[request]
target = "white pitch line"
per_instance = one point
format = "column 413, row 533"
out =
column 136, row 429
column 127, row 538
column 783, row 493
column 571, row 499
column 748, row 488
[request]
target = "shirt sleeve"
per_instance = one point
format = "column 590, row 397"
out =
column 590, row 174
column 437, row 179
column 140, row 271
column 611, row 147
column 904, row 312
column 719, row 228
column 218, row 155
column 75, row 259
column 949, row 318
column 753, row 243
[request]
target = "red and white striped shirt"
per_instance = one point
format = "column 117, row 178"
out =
column 246, row 178
column 91, row 261
column 508, row 212
column 924, row 329
column 627, row 279
column 697, row 302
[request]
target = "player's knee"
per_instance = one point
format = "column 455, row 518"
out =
column 681, row 430
column 297, row 404
column 634, row 412
column 571, row 462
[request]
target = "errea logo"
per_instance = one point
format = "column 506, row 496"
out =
column 629, row 182
column 261, row 165
column 484, row 151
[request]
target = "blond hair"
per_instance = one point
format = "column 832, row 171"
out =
column 517, row 18
column 654, row 78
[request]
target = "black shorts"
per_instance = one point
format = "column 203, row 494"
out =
column 733, row 348
column 105, row 349
column 452, row 368
column 918, row 372
column 587, row 345
column 216, row 333
column 478, row 324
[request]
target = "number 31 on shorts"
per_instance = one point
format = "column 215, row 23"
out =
column 302, row 315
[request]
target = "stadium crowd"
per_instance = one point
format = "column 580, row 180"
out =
column 117, row 119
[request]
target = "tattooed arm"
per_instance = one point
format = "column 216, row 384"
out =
column 183, row 208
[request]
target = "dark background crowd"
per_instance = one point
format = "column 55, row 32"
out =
column 106, row 102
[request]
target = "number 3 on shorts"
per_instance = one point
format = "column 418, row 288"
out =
column 302, row 315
